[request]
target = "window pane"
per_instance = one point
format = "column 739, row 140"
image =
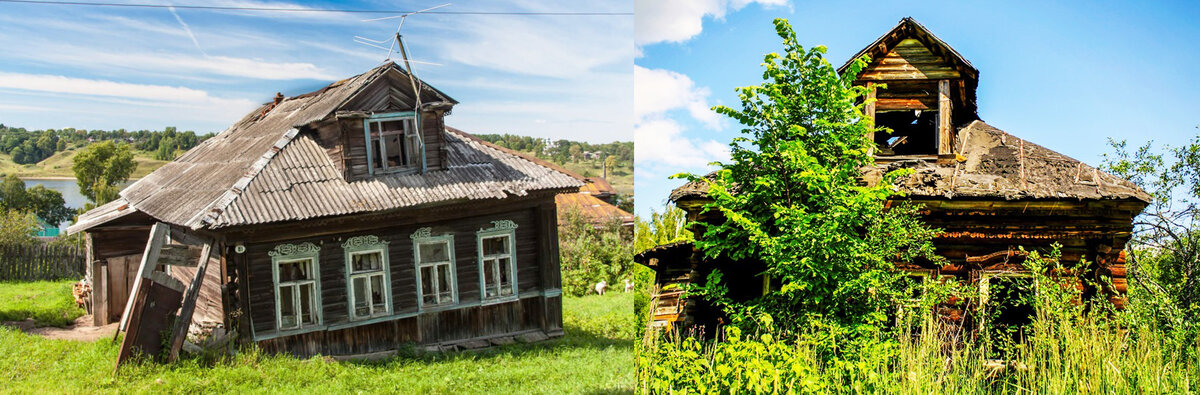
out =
column 505, row 270
column 376, row 156
column 362, row 303
column 495, row 245
column 427, row 280
column 489, row 277
column 367, row 262
column 434, row 252
column 444, row 286
column 394, row 145
column 377, row 294
column 306, row 304
column 295, row 270
column 287, row 306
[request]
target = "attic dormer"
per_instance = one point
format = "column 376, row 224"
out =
column 380, row 130
column 921, row 88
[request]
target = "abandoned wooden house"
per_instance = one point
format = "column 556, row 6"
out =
column 991, row 192
column 344, row 221
column 595, row 203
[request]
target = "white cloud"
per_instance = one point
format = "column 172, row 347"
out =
column 657, row 91
column 551, row 47
column 679, row 20
column 660, row 142
column 143, row 94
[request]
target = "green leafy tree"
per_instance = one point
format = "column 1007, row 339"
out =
column 100, row 168
column 1165, row 248
column 18, row 227
column 791, row 198
column 47, row 204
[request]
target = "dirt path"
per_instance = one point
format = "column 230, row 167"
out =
column 82, row 330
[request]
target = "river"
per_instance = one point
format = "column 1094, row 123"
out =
column 67, row 187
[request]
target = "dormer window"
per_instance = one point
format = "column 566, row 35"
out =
column 394, row 143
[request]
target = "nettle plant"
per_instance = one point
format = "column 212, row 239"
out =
column 792, row 197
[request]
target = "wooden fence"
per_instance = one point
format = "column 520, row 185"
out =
column 41, row 262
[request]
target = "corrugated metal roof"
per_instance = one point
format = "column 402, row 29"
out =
column 595, row 210
column 262, row 170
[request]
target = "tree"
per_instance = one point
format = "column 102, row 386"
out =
column 18, row 227
column 1164, row 259
column 47, row 204
column 100, row 167
column 791, row 198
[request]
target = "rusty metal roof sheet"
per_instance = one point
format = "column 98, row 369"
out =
column 595, row 210
column 238, row 176
column 998, row 165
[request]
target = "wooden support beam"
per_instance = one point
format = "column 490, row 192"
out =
column 158, row 235
column 184, row 320
column 869, row 112
column 945, row 131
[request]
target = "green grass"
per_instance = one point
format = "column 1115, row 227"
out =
column 59, row 165
column 595, row 356
column 49, row 303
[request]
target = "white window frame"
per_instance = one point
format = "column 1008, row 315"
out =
column 287, row 253
column 415, row 133
column 425, row 236
column 362, row 245
column 502, row 228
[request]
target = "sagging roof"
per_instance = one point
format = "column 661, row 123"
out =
column 667, row 251
column 262, row 169
column 597, row 186
column 998, row 165
column 595, row 210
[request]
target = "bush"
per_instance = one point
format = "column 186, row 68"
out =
column 591, row 253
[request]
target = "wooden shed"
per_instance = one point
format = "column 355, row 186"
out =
column 991, row 192
column 344, row 221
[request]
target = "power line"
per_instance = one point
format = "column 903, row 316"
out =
column 351, row 11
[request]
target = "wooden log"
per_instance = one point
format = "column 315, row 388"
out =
column 945, row 134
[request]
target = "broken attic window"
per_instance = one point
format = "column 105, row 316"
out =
column 395, row 144
column 914, row 132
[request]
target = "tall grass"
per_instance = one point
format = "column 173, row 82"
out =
column 1063, row 354
column 48, row 303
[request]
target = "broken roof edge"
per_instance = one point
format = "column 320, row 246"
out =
column 908, row 20
column 101, row 215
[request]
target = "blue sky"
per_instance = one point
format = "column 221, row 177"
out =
column 1066, row 75
column 146, row 68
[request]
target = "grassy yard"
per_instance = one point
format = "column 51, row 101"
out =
column 49, row 303
column 595, row 356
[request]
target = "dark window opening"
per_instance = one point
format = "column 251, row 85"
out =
column 914, row 132
column 1008, row 312
column 395, row 145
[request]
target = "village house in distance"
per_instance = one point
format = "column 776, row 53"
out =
column 345, row 221
column 990, row 192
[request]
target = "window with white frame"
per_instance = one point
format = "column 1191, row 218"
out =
column 367, row 277
column 497, row 260
column 394, row 142
column 295, row 271
column 436, row 282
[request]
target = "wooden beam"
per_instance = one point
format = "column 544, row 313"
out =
column 887, row 104
column 945, row 143
column 869, row 112
column 184, row 320
column 149, row 258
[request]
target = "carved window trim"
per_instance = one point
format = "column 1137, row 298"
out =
column 425, row 236
column 501, row 228
column 287, row 253
column 363, row 245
